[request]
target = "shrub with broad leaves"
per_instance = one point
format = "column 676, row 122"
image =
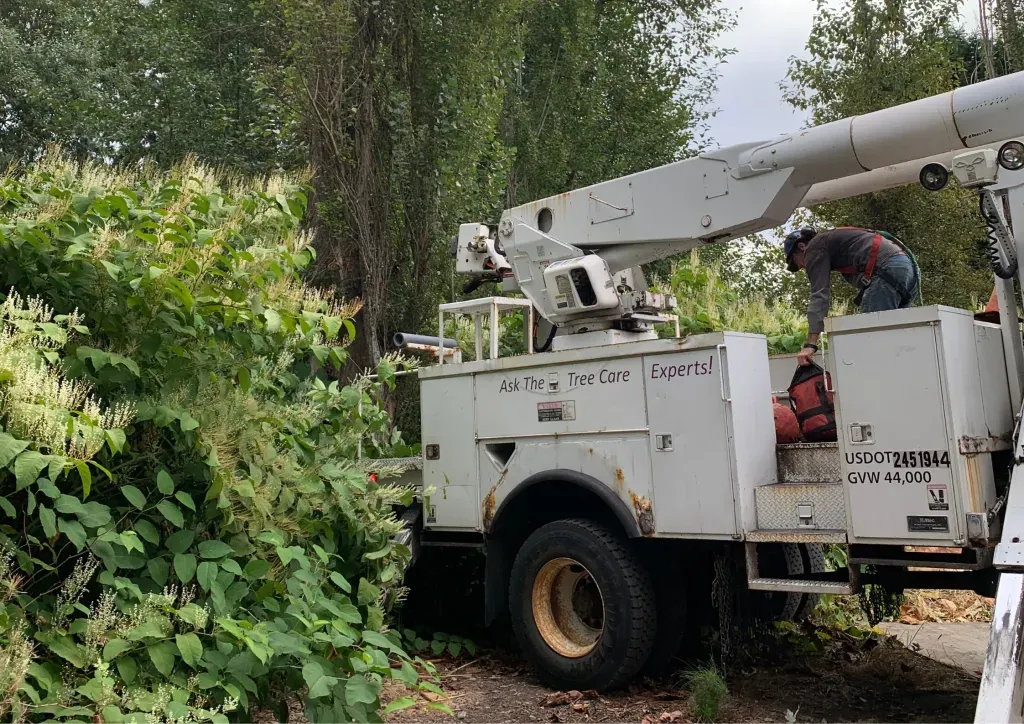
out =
column 186, row 529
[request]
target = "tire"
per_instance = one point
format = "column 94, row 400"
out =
column 784, row 560
column 673, row 618
column 554, row 609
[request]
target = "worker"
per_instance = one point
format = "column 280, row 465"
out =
column 879, row 268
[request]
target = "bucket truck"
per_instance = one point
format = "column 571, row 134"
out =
column 610, row 475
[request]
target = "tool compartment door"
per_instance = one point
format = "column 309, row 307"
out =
column 693, row 480
column 893, row 435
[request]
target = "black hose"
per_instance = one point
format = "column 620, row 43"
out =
column 547, row 345
column 992, row 251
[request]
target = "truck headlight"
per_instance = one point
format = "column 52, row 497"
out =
column 934, row 177
column 1011, row 156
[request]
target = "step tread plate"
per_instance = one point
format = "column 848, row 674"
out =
column 788, row 584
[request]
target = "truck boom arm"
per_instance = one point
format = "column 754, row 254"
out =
column 568, row 253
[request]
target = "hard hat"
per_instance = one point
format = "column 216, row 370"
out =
column 789, row 246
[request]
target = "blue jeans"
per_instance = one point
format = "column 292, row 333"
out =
column 893, row 286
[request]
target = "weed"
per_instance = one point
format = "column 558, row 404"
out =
column 707, row 690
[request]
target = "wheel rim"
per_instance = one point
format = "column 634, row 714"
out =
column 568, row 607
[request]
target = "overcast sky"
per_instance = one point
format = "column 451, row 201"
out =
column 768, row 32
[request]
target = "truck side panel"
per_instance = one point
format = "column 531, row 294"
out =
column 448, row 417
column 694, row 477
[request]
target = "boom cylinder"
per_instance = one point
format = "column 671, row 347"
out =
column 968, row 117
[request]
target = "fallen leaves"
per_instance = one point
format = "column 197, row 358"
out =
column 943, row 606
column 563, row 698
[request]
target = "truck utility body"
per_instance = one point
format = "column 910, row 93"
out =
column 609, row 475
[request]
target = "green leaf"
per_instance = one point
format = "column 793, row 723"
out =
column 360, row 690
column 187, row 422
column 256, row 569
column 93, row 515
column 127, row 668
column 171, row 512
column 66, row 648
column 10, row 448
column 206, row 574
column 181, row 541
column 115, row 647
column 74, row 531
column 190, row 647
column 185, row 567
column 158, row 570
column 244, row 379
column 115, row 440
column 49, row 521
column 231, row 566
column 165, row 483
column 403, row 702
column 134, row 496
column 367, row 592
column 154, row 628
column 186, row 500
column 319, row 683
column 341, row 582
column 112, row 269
column 27, row 467
column 407, row 674
column 69, row 505
column 86, row 475
column 273, row 320
column 5, row 504
column 214, row 549
column 148, row 531
column 375, row 638
column 162, row 655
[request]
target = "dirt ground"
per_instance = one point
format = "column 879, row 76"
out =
column 886, row 684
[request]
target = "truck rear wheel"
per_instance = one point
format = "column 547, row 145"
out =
column 791, row 560
column 582, row 606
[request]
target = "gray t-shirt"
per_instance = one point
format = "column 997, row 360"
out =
column 845, row 251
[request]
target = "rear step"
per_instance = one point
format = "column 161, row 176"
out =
column 757, row 582
column 798, row 586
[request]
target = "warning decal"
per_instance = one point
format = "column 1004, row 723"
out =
column 938, row 497
column 556, row 411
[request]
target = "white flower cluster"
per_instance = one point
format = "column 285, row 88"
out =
column 40, row 403
column 73, row 588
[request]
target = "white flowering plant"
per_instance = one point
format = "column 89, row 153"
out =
column 187, row 528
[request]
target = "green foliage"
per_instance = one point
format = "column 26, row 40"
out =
column 708, row 303
column 707, row 691
column 438, row 644
column 205, row 539
column 605, row 89
column 124, row 79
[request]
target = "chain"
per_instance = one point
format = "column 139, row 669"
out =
column 721, row 598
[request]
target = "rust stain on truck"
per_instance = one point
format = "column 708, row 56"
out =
column 644, row 513
column 487, row 513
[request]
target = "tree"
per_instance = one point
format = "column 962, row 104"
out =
column 124, row 80
column 607, row 89
column 418, row 114
column 867, row 55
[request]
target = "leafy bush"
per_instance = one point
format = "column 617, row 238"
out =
column 708, row 303
column 206, row 538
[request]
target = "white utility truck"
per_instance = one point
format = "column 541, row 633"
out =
column 607, row 470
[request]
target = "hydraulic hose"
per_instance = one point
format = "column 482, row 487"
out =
column 992, row 245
